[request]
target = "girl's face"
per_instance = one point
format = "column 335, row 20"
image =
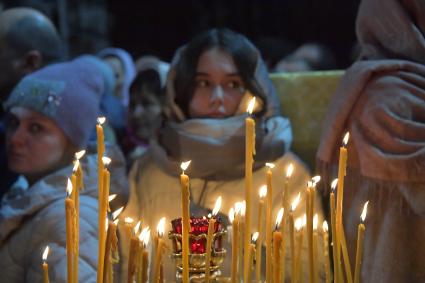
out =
column 36, row 146
column 218, row 86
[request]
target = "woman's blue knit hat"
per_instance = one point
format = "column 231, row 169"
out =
column 68, row 93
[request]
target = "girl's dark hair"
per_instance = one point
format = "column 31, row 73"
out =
column 243, row 52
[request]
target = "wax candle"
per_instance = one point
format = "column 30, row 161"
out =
column 326, row 251
column 210, row 238
column 103, row 201
column 79, row 172
column 335, row 247
column 315, row 248
column 269, row 206
column 76, row 198
column 132, row 261
column 292, row 235
column 249, row 160
column 111, row 246
column 159, row 250
column 299, row 224
column 45, row 266
column 69, row 215
column 340, row 195
column 101, row 230
column 285, row 205
column 347, row 265
column 309, row 227
column 359, row 252
column 262, row 194
column 235, row 246
column 185, row 199
column 277, row 241
column 252, row 252
column 144, row 263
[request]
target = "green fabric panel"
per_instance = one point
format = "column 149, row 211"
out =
column 304, row 100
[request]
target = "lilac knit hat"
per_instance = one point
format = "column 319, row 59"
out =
column 68, row 93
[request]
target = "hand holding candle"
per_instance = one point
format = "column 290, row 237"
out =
column 210, row 238
column 360, row 237
column 45, row 265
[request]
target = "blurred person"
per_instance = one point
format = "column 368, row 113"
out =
column 381, row 101
column 50, row 115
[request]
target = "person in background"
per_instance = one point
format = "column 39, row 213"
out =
column 308, row 57
column 28, row 41
column 50, row 115
column 124, row 71
column 381, row 101
column 210, row 82
column 145, row 108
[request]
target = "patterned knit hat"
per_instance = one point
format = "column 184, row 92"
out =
column 68, row 93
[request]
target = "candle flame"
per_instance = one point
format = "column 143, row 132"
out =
column 101, row 120
column 231, row 215
column 255, row 237
column 106, row 224
column 45, row 253
column 304, row 219
column 334, row 184
column 298, row 224
column 295, row 202
column 364, row 212
column 315, row 180
column 145, row 236
column 69, row 188
column 238, row 207
column 116, row 221
column 76, row 165
column 263, row 191
column 160, row 228
column 289, row 170
column 80, row 154
column 128, row 220
column 279, row 217
column 345, row 139
column 106, row 160
column 325, row 226
column 185, row 165
column 118, row 212
column 251, row 105
column 136, row 228
column 243, row 208
column 315, row 222
column 270, row 165
column 112, row 197
column 217, row 206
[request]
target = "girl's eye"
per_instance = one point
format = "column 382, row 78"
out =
column 35, row 128
column 202, row 83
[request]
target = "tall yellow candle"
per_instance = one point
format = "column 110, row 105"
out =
column 252, row 252
column 185, row 199
column 269, row 206
column 210, row 238
column 277, row 241
column 45, row 266
column 285, row 205
column 111, row 246
column 308, row 199
column 335, row 247
column 315, row 248
column 159, row 250
column 69, row 214
column 76, row 198
column 292, row 235
column 346, row 258
column 259, row 240
column 249, row 160
column 359, row 252
column 299, row 224
column 100, row 152
column 340, row 195
column 326, row 251
column 235, row 244
column 103, row 201
column 144, row 261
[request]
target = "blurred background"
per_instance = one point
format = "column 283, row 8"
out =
column 159, row 27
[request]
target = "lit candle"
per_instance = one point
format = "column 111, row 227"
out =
column 144, row 262
column 326, row 251
column 111, row 245
column 292, row 235
column 103, row 201
column 309, row 217
column 299, row 224
column 252, row 252
column 70, row 214
column 128, row 221
column 132, row 261
column 285, row 205
column 185, row 199
column 340, row 195
column 262, row 194
column 346, row 258
column 159, row 250
column 269, row 204
column 249, row 160
column 235, row 246
column 360, row 236
column 335, row 248
column 210, row 238
column 45, row 265
column 101, row 230
column 277, row 239
column 315, row 247
column 79, row 172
